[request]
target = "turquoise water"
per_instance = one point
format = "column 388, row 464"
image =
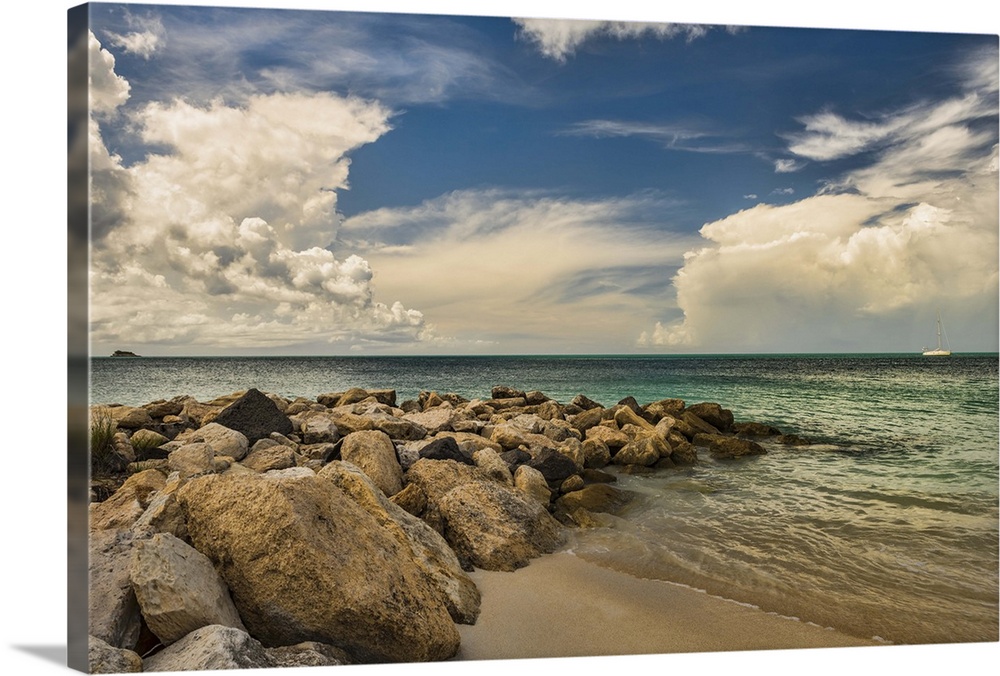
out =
column 887, row 526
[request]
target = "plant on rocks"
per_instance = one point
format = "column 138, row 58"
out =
column 102, row 430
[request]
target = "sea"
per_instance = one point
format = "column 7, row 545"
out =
column 885, row 527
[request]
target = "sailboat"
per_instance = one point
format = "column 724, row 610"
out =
column 939, row 351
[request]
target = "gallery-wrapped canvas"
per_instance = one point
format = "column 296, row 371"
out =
column 405, row 338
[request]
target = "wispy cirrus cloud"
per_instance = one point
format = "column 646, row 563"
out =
column 559, row 39
column 670, row 136
column 145, row 37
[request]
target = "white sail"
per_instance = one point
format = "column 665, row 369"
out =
column 940, row 351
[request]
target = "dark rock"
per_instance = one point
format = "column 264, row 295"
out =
column 716, row 416
column 584, row 402
column 504, row 392
column 755, row 429
column 255, row 415
column 553, row 465
column 792, row 440
column 445, row 448
column 515, row 458
column 697, row 425
column 596, row 476
column 595, row 498
column 728, row 447
column 632, row 404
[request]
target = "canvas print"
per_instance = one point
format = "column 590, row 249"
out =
column 404, row 338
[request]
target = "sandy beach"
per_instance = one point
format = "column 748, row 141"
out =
column 562, row 606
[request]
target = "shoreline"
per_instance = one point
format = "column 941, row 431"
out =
column 560, row 605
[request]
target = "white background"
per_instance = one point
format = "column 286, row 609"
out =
column 33, row 605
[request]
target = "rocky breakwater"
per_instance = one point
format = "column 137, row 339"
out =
column 260, row 531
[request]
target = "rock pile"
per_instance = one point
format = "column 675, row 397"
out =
column 259, row 531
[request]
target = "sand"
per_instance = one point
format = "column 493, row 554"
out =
column 562, row 606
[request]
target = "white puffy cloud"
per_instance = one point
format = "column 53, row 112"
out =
column 558, row 39
column 145, row 40
column 864, row 264
column 216, row 240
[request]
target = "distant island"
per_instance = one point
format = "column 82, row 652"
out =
column 124, row 353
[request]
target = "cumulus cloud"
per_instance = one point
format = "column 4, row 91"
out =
column 216, row 240
column 498, row 266
column 558, row 39
column 880, row 248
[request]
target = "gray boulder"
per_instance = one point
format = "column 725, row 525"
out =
column 178, row 589
column 210, row 648
column 107, row 659
column 304, row 562
column 113, row 613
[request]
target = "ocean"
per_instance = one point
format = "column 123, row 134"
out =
column 886, row 526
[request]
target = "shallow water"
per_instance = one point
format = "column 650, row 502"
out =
column 887, row 526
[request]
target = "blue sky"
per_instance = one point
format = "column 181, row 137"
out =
column 304, row 182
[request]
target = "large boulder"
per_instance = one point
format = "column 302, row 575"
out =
column 644, row 451
column 435, row 420
column 113, row 614
column 530, row 481
column 554, row 466
column 210, row 648
column 127, row 504
column 595, row 498
column 305, row 562
column 430, row 551
column 178, row 589
column 223, row 440
column 266, row 458
column 103, row 658
column 255, row 415
column 722, row 446
column 192, row 459
column 445, row 448
column 373, row 452
column 163, row 514
column 712, row 413
column 494, row 527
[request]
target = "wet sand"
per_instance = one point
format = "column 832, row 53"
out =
column 562, row 606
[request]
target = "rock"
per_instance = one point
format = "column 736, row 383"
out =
column 304, row 561
column 445, row 448
column 103, row 658
column 113, row 614
column 493, row 466
column 493, row 527
column 504, row 392
column 373, row 452
column 318, row 427
column 307, row 654
column 129, row 417
column 254, row 415
column 178, row 589
column 585, row 402
column 792, row 440
column 412, row 498
column 122, row 451
column 657, row 409
column 435, row 478
column 223, row 440
column 645, row 451
column 192, row 459
column 554, row 466
column 572, row 483
column 145, row 440
column 397, row 428
column 269, row 458
column 471, row 442
column 515, row 458
column 595, row 454
column 536, row 398
column 530, row 481
column 631, row 403
column 430, row 551
column 596, row 476
column 590, row 417
column 684, row 453
column 595, row 498
column 163, row 514
column 698, row 426
column 197, row 412
column 728, row 447
column 210, row 648
column 434, row 420
column 627, row 416
column 716, row 416
column 162, row 408
column 614, row 439
column 128, row 503
column 755, row 429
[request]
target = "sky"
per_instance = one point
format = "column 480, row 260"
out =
column 276, row 181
